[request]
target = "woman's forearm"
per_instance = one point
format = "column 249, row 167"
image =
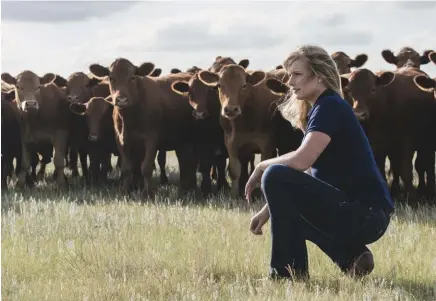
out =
column 290, row 159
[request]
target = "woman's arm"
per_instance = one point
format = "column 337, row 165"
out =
column 304, row 157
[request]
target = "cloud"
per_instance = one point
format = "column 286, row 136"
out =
column 197, row 36
column 416, row 5
column 60, row 11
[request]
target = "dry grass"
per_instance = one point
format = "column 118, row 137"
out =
column 98, row 245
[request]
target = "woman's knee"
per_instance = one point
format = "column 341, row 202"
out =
column 275, row 174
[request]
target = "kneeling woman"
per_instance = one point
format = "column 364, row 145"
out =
column 345, row 204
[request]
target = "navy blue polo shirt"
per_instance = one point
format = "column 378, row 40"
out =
column 347, row 162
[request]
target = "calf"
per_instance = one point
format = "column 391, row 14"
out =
column 148, row 113
column 46, row 115
column 245, row 116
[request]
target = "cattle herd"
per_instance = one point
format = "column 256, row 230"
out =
column 206, row 116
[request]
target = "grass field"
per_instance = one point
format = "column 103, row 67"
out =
column 99, row 245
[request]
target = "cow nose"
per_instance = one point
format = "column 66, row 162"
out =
column 121, row 100
column 232, row 111
column 29, row 104
column 72, row 98
column 92, row 137
column 198, row 115
column 410, row 63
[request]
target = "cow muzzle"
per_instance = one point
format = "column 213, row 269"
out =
column 92, row 137
column 198, row 115
column 29, row 105
column 121, row 101
column 232, row 112
column 410, row 64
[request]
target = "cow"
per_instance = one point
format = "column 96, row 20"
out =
column 210, row 147
column 46, row 116
column 396, row 114
column 344, row 63
column 149, row 114
column 246, row 116
column 407, row 56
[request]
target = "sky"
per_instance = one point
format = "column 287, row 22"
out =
column 67, row 36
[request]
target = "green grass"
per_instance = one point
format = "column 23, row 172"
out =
column 99, row 245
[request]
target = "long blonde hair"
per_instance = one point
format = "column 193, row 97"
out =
column 320, row 62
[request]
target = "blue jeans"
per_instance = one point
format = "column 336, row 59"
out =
column 304, row 208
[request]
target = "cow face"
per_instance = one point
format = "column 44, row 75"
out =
column 234, row 86
column 345, row 63
column 78, row 87
column 406, row 57
column 27, row 88
column 94, row 110
column 362, row 86
column 425, row 83
column 220, row 62
column 124, row 80
column 202, row 98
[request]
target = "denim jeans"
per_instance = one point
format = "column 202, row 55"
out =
column 304, row 208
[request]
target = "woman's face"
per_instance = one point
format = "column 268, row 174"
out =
column 303, row 82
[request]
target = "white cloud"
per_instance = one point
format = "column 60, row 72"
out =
column 183, row 34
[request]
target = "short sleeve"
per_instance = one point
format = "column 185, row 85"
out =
column 323, row 118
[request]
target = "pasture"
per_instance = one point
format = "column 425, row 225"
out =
column 100, row 245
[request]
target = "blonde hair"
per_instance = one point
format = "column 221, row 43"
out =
column 321, row 64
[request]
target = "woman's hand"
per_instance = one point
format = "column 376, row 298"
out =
column 254, row 181
column 259, row 220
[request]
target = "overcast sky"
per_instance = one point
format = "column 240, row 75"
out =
column 65, row 37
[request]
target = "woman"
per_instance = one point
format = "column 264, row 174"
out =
column 345, row 203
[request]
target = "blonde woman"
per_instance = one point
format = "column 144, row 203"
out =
column 345, row 203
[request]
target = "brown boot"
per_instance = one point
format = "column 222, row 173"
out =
column 362, row 266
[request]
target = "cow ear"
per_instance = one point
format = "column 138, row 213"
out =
column 425, row 57
column 278, row 67
column 244, row 63
column 256, row 77
column 156, row 72
column 359, row 61
column 389, row 57
column 218, row 57
column 99, row 71
column 180, row 87
column 344, row 81
column 424, row 83
column 432, row 57
column 48, row 78
column 60, row 81
column 385, row 78
column 277, row 87
column 175, row 71
column 145, row 69
column 208, row 78
column 9, row 79
column 78, row 108
column 93, row 81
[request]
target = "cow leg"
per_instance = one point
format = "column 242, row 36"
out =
column 24, row 178
column 235, row 172
column 74, row 155
column 205, row 156
column 147, row 165
column 221, row 162
column 118, row 166
column 420, row 166
column 46, row 157
column 83, row 154
column 425, row 167
column 407, row 171
column 162, row 160
column 395, row 168
column 34, row 160
column 94, row 164
column 126, row 168
column 60, row 147
column 106, row 157
column 4, row 173
column 187, row 167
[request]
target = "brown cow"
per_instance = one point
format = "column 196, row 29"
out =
column 396, row 115
column 407, row 56
column 246, row 111
column 148, row 113
column 46, row 115
column 210, row 148
column 345, row 63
